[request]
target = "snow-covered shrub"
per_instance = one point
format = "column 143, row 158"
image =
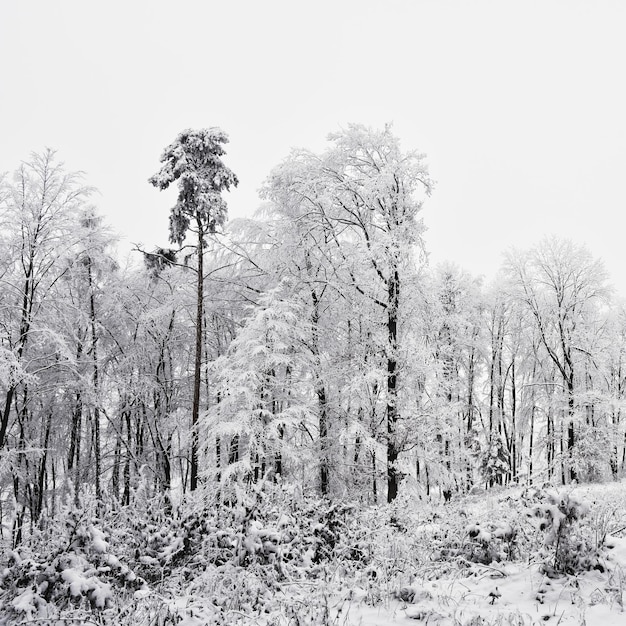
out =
column 272, row 555
column 265, row 553
column 472, row 531
column 487, row 543
column 482, row 542
column 569, row 544
column 78, row 577
column 607, row 519
column 153, row 543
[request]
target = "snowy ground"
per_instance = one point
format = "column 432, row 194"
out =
column 491, row 559
column 522, row 597
column 512, row 593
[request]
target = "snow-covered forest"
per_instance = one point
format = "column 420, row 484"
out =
column 295, row 418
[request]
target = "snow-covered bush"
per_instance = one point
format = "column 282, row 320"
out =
column 569, row 545
column 472, row 531
column 274, row 556
column 79, row 576
column 487, row 543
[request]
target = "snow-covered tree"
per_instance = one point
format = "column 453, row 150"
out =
column 376, row 193
column 194, row 162
column 562, row 287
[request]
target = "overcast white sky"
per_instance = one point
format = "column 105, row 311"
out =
column 520, row 106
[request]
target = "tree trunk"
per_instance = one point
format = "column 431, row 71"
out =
column 27, row 305
column 96, row 384
column 615, row 452
column 513, row 471
column 571, row 440
column 195, row 411
column 320, row 392
column 73, row 455
column 42, row 467
column 117, row 463
column 161, row 399
column 549, row 435
column 126, row 471
column 393, row 477
column 374, row 482
column 530, row 444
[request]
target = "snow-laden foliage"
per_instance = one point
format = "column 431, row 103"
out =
column 193, row 161
column 65, row 572
column 494, row 460
column 266, row 392
column 571, row 545
column 273, row 556
column 208, row 437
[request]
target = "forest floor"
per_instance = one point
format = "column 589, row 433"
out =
column 515, row 592
column 523, row 597
column 505, row 557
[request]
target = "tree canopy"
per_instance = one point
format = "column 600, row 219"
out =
column 306, row 358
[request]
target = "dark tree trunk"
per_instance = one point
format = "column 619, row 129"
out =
column 531, row 443
column 218, row 458
column 323, row 425
column 549, row 436
column 374, row 482
column 615, row 452
column 42, row 468
column 278, row 458
column 96, row 384
column 126, row 471
column 161, row 412
column 195, row 411
column 393, row 477
column 27, row 305
column 571, row 438
column 233, row 452
column 73, row 455
column 320, row 391
column 117, row 462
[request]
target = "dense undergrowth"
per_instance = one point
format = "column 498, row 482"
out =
column 275, row 557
